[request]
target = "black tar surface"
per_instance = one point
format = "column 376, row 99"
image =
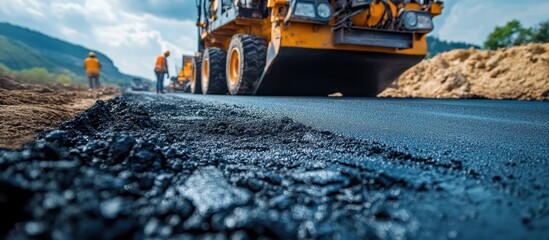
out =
column 143, row 166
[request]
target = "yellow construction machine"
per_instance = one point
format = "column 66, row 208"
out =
column 308, row 47
column 182, row 81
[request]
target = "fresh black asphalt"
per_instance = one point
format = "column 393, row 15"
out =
column 182, row 166
column 487, row 129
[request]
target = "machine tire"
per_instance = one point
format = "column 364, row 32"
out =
column 196, row 75
column 213, row 71
column 244, row 69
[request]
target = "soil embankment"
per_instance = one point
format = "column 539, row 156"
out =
column 514, row 73
column 30, row 108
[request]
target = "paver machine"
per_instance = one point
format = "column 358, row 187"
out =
column 308, row 47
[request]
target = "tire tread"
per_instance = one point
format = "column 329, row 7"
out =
column 197, row 88
column 217, row 84
column 254, row 54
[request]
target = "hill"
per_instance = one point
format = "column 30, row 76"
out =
column 437, row 46
column 20, row 57
column 22, row 48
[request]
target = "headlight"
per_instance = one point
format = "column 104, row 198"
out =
column 425, row 20
column 324, row 10
column 410, row 19
column 304, row 9
column 417, row 21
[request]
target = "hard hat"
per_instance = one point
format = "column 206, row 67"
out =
column 92, row 54
column 167, row 53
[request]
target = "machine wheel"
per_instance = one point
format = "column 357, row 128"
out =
column 245, row 63
column 196, row 69
column 213, row 71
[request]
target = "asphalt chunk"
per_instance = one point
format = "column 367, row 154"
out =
column 210, row 192
column 151, row 166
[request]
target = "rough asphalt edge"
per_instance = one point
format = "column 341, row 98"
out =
column 324, row 185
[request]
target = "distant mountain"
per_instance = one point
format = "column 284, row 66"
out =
column 437, row 46
column 22, row 48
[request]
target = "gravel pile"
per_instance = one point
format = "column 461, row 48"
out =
column 145, row 166
column 515, row 73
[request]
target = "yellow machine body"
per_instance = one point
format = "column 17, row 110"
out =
column 360, row 56
column 185, row 73
column 181, row 82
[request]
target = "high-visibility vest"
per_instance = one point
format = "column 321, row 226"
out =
column 92, row 66
column 161, row 64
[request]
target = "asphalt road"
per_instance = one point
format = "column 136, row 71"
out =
column 471, row 129
column 506, row 140
column 161, row 166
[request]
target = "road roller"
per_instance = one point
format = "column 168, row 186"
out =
column 308, row 47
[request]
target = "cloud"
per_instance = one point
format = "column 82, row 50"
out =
column 129, row 32
column 174, row 9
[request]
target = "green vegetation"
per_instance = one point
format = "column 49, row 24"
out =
column 437, row 46
column 25, row 50
column 514, row 34
column 4, row 71
column 41, row 76
column 541, row 33
column 19, row 56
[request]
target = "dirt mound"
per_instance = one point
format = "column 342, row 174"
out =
column 514, row 73
column 9, row 84
column 29, row 108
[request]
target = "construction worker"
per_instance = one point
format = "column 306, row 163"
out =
column 161, row 69
column 93, row 70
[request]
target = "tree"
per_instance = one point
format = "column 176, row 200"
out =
column 436, row 46
column 541, row 33
column 511, row 34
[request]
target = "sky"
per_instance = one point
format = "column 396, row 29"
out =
column 133, row 32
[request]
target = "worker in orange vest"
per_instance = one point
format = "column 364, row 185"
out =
column 161, row 69
column 93, row 70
